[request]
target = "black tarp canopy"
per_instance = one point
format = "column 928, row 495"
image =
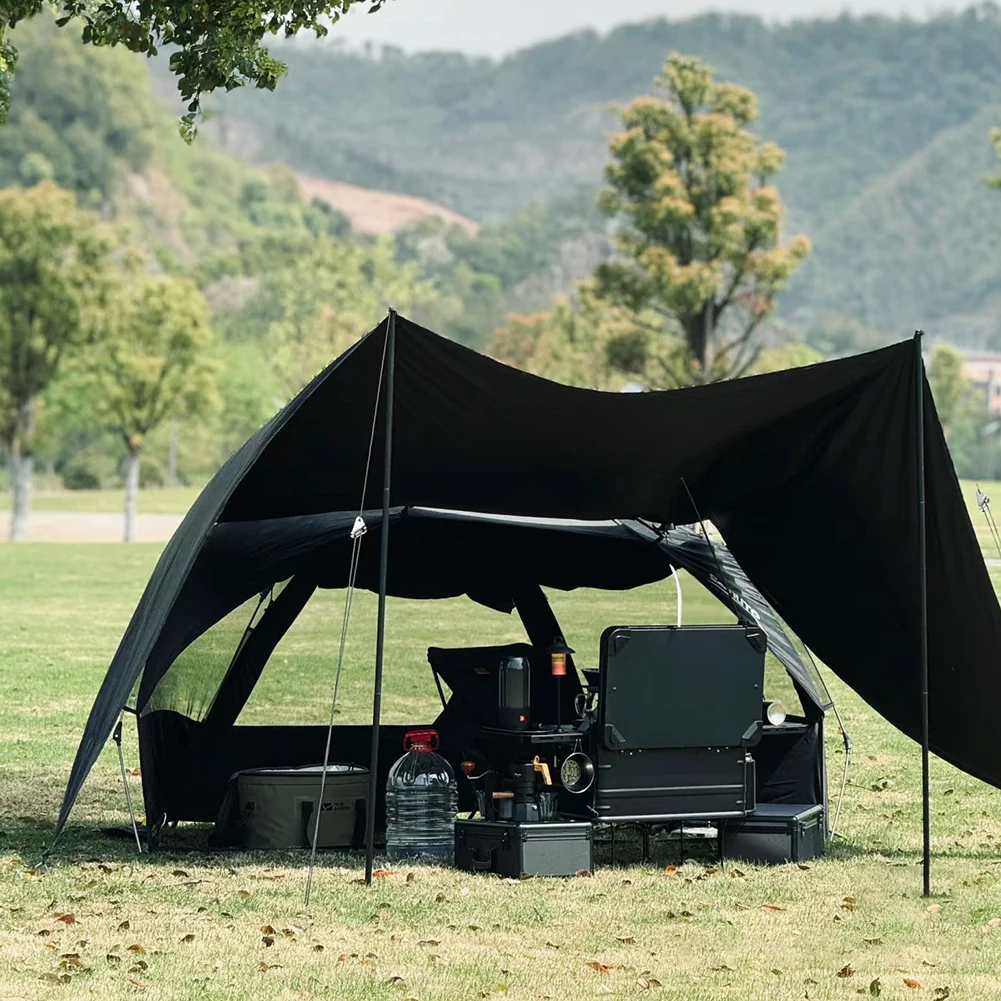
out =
column 811, row 475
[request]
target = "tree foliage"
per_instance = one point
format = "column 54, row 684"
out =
column 325, row 299
column 950, row 387
column 699, row 248
column 213, row 46
column 514, row 265
column 154, row 358
column 54, row 261
column 962, row 409
column 586, row 341
column 80, row 117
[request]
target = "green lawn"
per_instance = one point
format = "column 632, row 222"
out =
column 177, row 500
column 154, row 500
column 194, row 920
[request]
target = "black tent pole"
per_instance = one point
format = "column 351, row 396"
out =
column 380, row 641
column 919, row 410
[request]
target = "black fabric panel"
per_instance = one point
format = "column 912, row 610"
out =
column 234, row 564
column 476, row 435
column 787, row 766
column 248, row 663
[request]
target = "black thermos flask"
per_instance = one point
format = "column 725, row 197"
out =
column 514, row 681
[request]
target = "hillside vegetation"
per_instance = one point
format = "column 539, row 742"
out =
column 884, row 122
column 290, row 280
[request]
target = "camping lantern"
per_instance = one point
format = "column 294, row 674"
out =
column 558, row 667
column 558, row 657
column 514, row 691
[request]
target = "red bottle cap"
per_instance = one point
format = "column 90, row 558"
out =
column 420, row 740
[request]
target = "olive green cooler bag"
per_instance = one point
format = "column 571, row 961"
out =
column 275, row 808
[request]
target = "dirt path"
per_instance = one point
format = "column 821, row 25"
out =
column 72, row 526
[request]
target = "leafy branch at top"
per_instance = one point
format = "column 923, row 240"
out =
column 215, row 46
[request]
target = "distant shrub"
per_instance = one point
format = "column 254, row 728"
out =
column 80, row 476
column 151, row 472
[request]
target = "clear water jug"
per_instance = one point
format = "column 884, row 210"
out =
column 421, row 801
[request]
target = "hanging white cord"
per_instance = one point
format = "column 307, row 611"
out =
column 348, row 600
column 677, row 587
column 357, row 533
column 844, row 775
column 125, row 781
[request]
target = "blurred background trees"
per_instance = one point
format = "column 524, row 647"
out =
column 514, row 255
column 54, row 275
column 151, row 364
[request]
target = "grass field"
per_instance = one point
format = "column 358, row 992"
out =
column 155, row 500
column 192, row 924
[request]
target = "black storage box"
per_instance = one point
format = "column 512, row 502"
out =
column 775, row 833
column 559, row 848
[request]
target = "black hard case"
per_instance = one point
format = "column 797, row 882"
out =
column 561, row 848
column 776, row 833
column 678, row 708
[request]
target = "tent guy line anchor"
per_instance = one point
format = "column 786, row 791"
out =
column 348, row 602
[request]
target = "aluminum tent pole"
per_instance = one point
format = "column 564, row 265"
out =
column 380, row 641
column 919, row 413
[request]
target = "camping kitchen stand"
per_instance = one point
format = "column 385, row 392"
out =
column 666, row 732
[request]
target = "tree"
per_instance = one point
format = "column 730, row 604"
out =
column 962, row 409
column 54, row 272
column 582, row 341
column 320, row 303
column 153, row 363
column 950, row 387
column 700, row 251
column 214, row 45
column 994, row 180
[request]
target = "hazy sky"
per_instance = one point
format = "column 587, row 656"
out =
column 496, row 27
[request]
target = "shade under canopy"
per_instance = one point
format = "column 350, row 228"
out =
column 809, row 473
column 496, row 560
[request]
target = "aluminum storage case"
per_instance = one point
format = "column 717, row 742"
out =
column 560, row 848
column 775, row 833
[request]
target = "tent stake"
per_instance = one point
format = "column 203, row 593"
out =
column 919, row 394
column 380, row 641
